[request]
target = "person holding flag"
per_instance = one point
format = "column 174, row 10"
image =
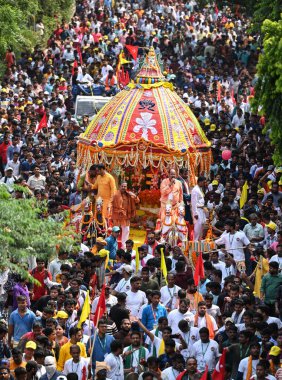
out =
column 77, row 364
column 99, row 345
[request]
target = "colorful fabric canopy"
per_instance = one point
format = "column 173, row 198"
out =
column 147, row 123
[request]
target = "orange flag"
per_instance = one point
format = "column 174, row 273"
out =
column 199, row 269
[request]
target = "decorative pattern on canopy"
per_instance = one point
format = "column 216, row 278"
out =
column 146, row 124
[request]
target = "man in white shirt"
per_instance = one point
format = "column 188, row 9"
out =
column 205, row 351
column 235, row 242
column 251, row 360
column 169, row 293
column 190, row 336
column 172, row 372
column 198, row 211
column 135, row 297
column 177, row 315
column 212, row 310
column 115, row 361
column 8, row 180
column 36, row 181
column 123, row 285
column 277, row 258
column 77, row 364
column 110, row 301
column 55, row 265
column 203, row 319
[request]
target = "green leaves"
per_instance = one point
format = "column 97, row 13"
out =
column 18, row 19
column 268, row 92
column 23, row 233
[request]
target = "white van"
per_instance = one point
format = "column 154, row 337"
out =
column 89, row 105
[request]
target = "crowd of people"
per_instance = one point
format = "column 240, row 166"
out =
column 154, row 326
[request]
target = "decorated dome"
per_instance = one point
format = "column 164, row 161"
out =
column 145, row 123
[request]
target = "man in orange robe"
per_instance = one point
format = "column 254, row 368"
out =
column 106, row 186
column 123, row 208
column 171, row 191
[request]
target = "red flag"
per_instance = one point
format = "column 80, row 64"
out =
column 218, row 373
column 218, row 92
column 42, row 124
column 232, row 96
column 80, row 55
column 133, row 51
column 205, row 374
column 199, row 269
column 84, row 377
column 75, row 64
column 101, row 307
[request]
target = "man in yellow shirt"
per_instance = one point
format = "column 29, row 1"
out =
column 106, row 186
column 75, row 338
column 16, row 360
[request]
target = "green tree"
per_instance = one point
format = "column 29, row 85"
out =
column 265, row 9
column 268, row 91
column 24, row 233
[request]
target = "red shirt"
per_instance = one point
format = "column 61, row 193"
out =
column 3, row 151
column 39, row 291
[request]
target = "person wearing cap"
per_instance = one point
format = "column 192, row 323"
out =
column 29, row 349
column 123, row 209
column 9, row 179
column 271, row 236
column 269, row 286
column 101, row 371
column 112, row 243
column 274, row 359
column 123, row 285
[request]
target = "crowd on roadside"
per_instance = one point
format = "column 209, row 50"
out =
column 210, row 55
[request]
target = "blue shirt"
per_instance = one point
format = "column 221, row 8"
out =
column 21, row 325
column 102, row 347
column 112, row 246
column 149, row 319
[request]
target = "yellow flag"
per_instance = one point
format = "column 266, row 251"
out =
column 123, row 61
column 261, row 269
column 163, row 265
column 137, row 261
column 244, row 194
column 85, row 310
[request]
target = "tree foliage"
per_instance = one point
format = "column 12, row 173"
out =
column 265, row 9
column 18, row 19
column 268, row 94
column 24, row 233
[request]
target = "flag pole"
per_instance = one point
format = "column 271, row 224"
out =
column 94, row 338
